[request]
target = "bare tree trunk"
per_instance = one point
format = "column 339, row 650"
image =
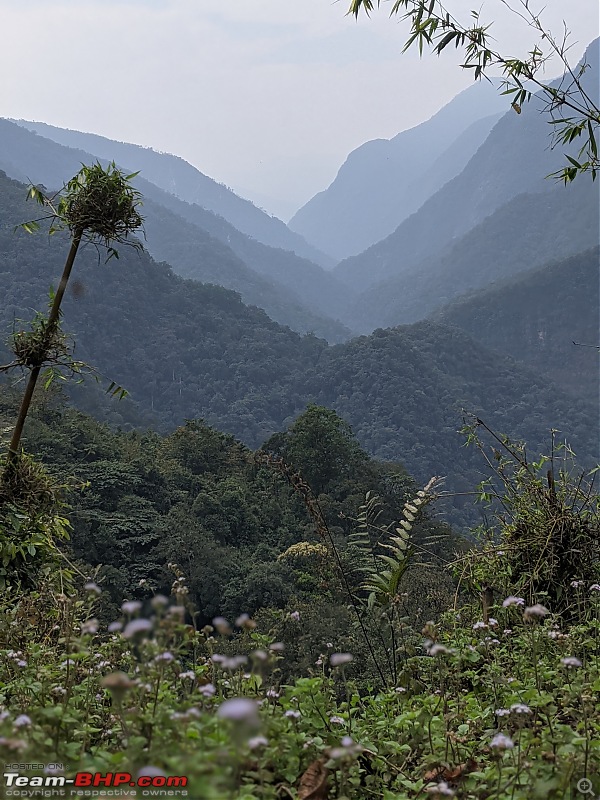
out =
column 53, row 318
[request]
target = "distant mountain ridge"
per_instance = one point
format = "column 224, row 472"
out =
column 489, row 180
column 176, row 176
column 383, row 181
column 316, row 288
column 499, row 217
column 515, row 158
column 198, row 243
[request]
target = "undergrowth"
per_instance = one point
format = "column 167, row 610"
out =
column 503, row 709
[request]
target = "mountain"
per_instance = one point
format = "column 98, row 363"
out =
column 198, row 255
column 184, row 349
column 514, row 159
column 405, row 390
column 528, row 231
column 187, row 350
column 537, row 316
column 198, row 243
column 181, row 179
column 383, row 181
column 318, row 290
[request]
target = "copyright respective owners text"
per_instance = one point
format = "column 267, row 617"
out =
column 53, row 782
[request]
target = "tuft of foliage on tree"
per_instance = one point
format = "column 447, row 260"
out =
column 98, row 205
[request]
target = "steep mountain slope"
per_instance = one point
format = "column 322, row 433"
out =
column 526, row 232
column 487, row 182
column 188, row 350
column 535, row 318
column 383, row 181
column 200, row 256
column 316, row 288
column 176, row 176
column 184, row 349
column 201, row 249
column 515, row 158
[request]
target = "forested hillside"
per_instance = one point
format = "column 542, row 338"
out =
column 537, row 316
column 319, row 290
column 200, row 244
column 528, row 231
column 186, row 350
column 174, row 175
column 194, row 253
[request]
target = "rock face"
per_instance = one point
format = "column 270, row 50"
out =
column 384, row 181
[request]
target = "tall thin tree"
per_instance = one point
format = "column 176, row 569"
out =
column 98, row 205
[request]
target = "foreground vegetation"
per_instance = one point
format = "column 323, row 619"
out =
column 387, row 667
column 507, row 708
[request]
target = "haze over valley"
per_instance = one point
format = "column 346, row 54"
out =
column 414, row 234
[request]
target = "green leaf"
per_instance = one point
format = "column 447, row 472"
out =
column 28, row 227
column 445, row 41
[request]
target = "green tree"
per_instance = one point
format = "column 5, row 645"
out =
column 570, row 103
column 100, row 206
column 321, row 446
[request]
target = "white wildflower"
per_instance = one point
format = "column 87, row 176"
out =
column 340, row 659
column 239, row 709
column 535, row 612
column 222, row 626
column 513, row 601
column 165, row 657
column 131, row 607
column 441, row 789
column 257, row 741
column 136, row 627
column 90, row 626
column 502, row 742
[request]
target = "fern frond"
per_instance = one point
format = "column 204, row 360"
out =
column 364, row 562
column 383, row 581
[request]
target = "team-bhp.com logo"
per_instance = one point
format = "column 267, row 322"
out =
column 93, row 784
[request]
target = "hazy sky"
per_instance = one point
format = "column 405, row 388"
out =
column 267, row 96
